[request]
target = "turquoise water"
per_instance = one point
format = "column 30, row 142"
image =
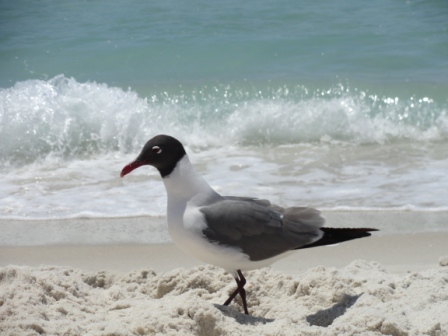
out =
column 402, row 45
column 334, row 105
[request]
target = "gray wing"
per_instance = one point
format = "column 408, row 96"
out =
column 260, row 229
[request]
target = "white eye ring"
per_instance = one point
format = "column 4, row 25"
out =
column 156, row 150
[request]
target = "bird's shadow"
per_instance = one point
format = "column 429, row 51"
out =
column 322, row 318
column 325, row 317
column 242, row 318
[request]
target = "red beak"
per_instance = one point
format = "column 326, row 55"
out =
column 130, row 167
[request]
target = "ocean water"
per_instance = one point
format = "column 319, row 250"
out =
column 339, row 106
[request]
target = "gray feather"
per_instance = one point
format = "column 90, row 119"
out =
column 260, row 229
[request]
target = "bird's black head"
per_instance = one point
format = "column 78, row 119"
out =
column 162, row 152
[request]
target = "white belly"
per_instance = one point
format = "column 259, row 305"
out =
column 185, row 225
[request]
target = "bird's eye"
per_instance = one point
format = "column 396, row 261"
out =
column 156, row 150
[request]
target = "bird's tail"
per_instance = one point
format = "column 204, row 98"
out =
column 335, row 235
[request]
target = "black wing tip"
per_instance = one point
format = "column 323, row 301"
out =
column 353, row 233
column 349, row 229
column 338, row 235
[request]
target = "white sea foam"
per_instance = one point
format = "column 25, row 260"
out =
column 64, row 144
column 62, row 117
column 332, row 178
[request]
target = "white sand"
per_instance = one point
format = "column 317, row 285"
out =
column 359, row 299
column 401, row 290
column 407, row 294
column 397, row 253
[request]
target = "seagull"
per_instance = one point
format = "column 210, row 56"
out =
column 235, row 233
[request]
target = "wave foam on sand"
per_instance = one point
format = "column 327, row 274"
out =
column 361, row 298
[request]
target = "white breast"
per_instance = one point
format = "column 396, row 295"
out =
column 185, row 225
column 186, row 222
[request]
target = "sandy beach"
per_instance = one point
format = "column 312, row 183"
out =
column 393, row 284
column 338, row 106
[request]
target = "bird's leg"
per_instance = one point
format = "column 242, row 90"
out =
column 232, row 296
column 241, row 281
column 243, row 291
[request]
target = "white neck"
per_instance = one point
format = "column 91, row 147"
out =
column 184, row 182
